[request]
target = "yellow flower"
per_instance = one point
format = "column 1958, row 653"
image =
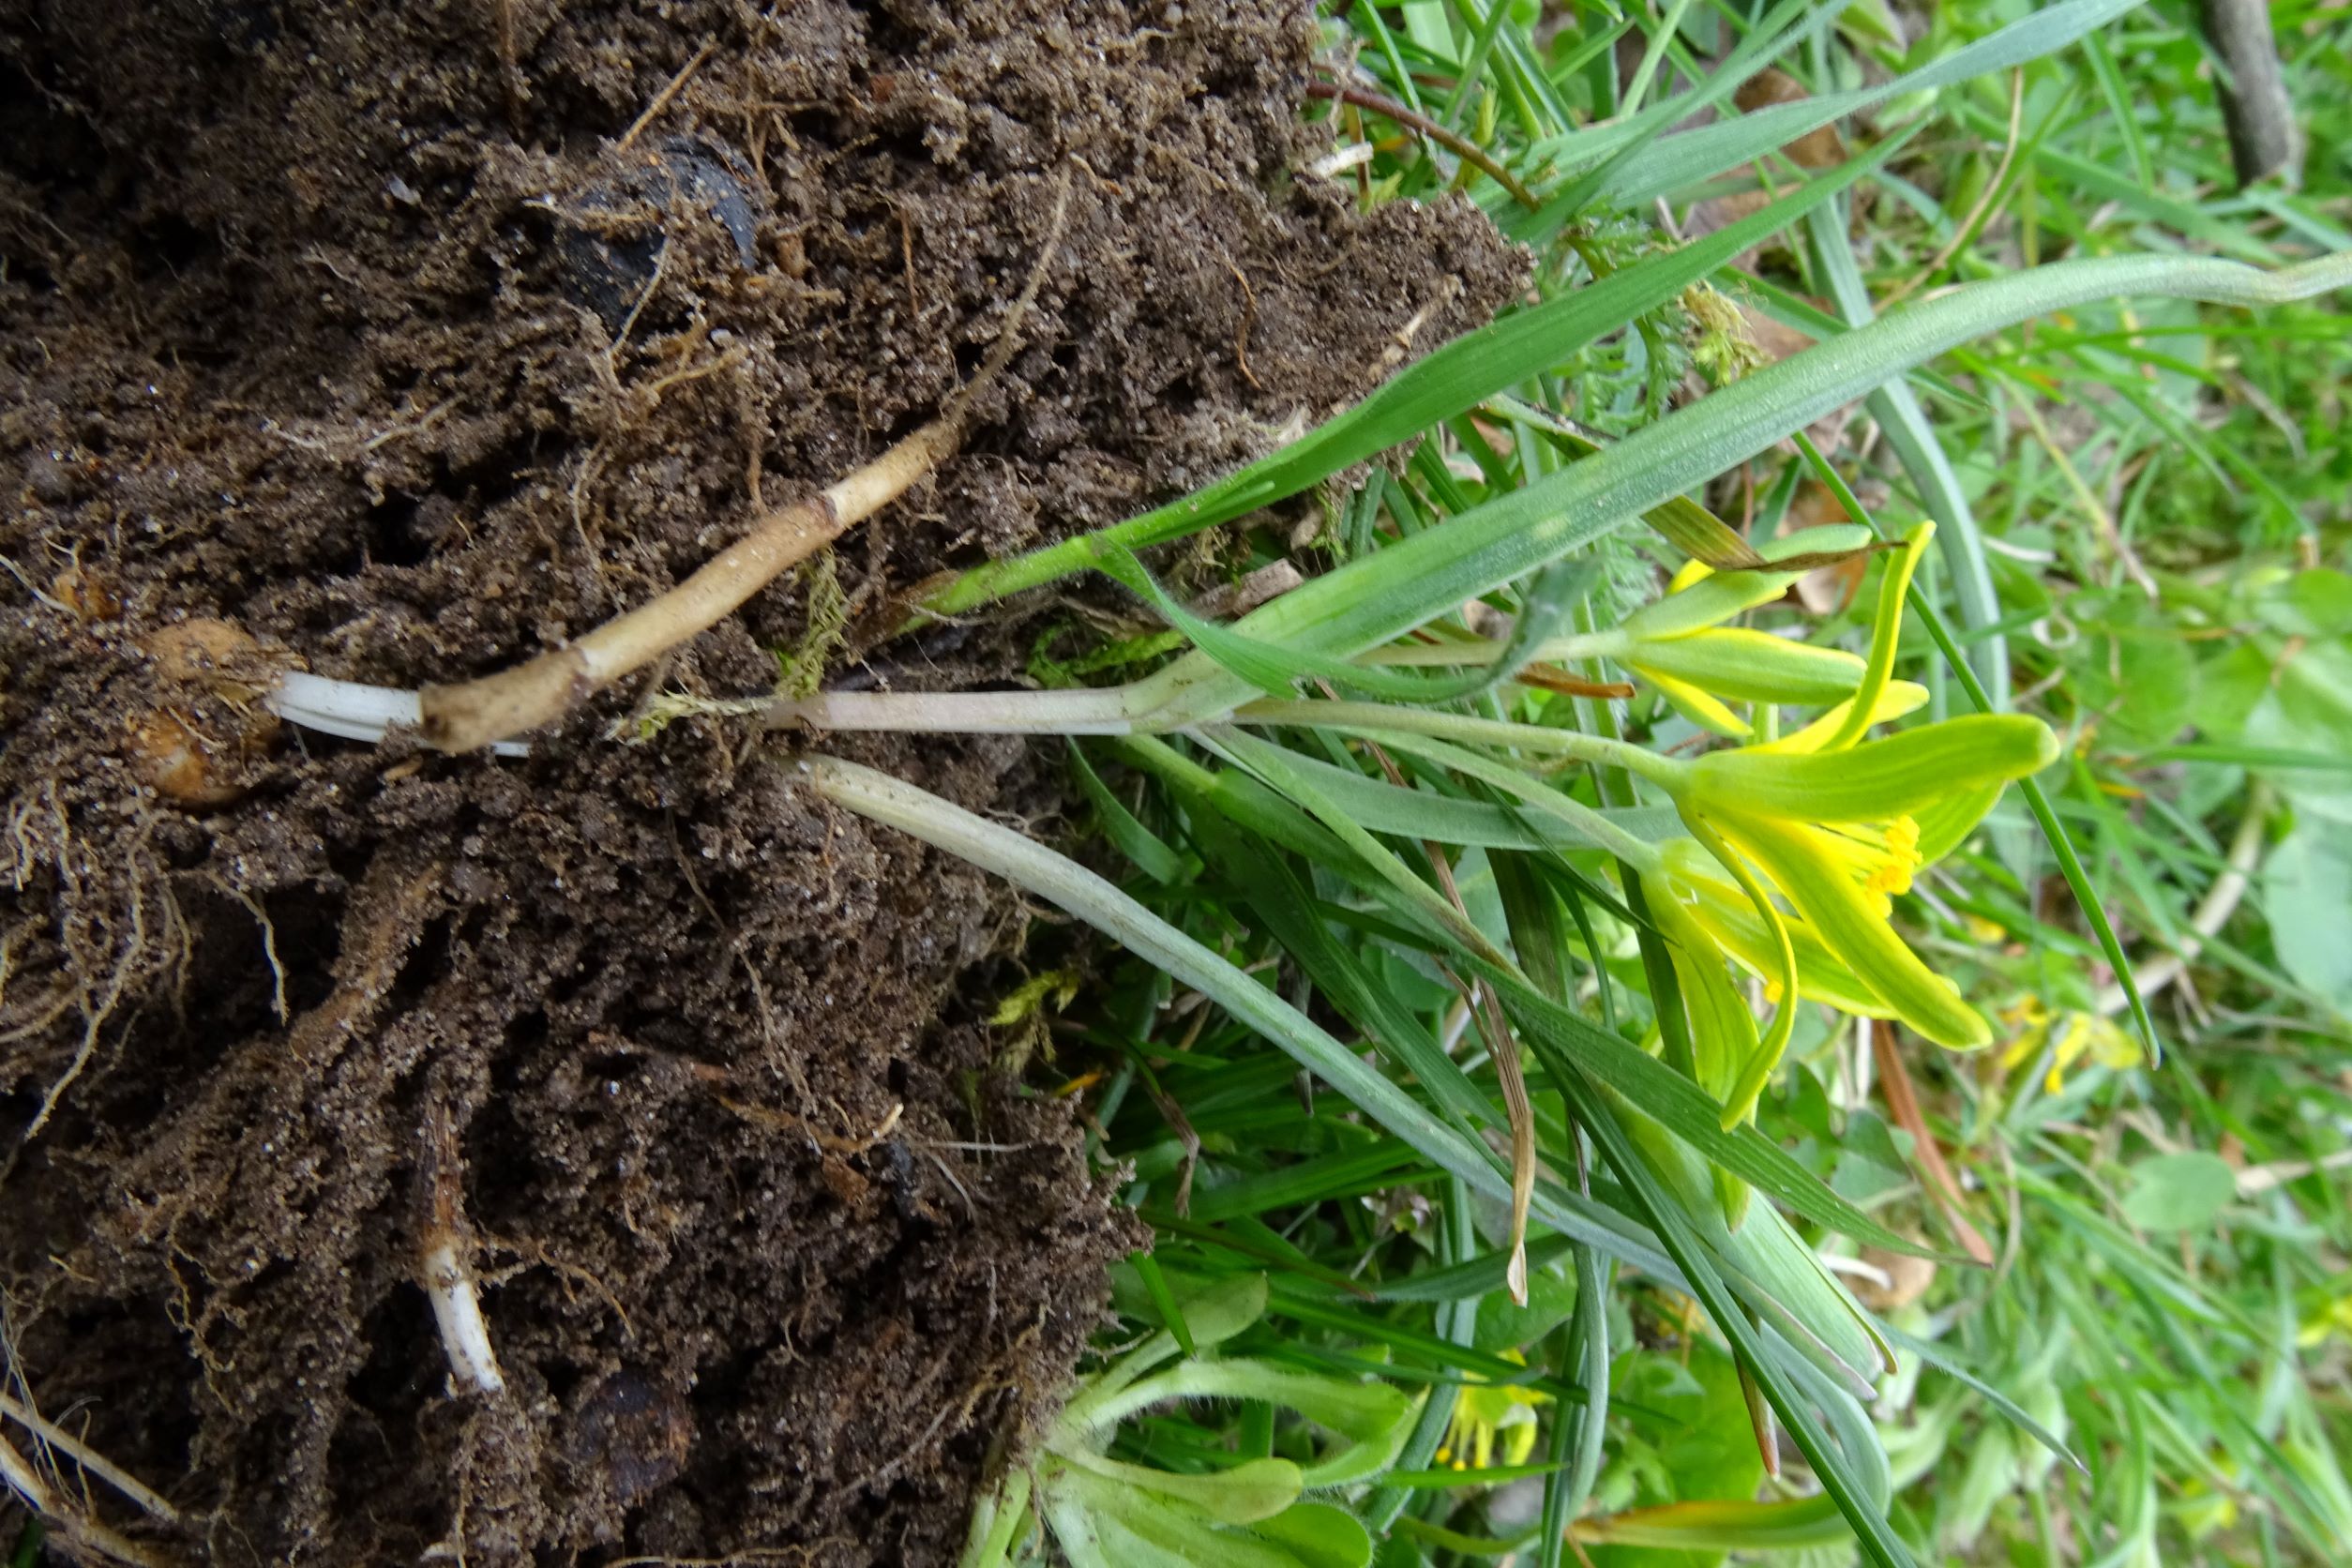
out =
column 2203, row 1509
column 1819, row 831
column 1488, row 1415
column 2331, row 1320
column 2068, row 1036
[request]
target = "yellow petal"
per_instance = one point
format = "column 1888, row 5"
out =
column 1722, row 911
column 1884, row 634
column 1796, row 856
column 1701, row 709
column 1900, row 697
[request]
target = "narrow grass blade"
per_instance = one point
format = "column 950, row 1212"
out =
column 1448, row 382
column 1030, row 865
column 1879, row 1544
column 1673, row 162
column 1416, row 580
column 1140, row 844
column 1686, row 1110
column 1911, row 434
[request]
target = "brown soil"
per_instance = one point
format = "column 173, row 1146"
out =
column 355, row 327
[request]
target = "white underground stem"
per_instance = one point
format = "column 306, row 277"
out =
column 457, row 1310
column 355, row 710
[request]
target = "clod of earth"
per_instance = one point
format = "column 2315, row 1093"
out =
column 303, row 365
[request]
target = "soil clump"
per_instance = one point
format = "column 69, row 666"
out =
column 400, row 342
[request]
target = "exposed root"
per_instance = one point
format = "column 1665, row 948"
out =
column 533, row 694
column 103, row 960
column 74, row 1526
column 444, row 1270
column 90, row 1460
column 662, row 99
column 457, row 1312
column 269, row 945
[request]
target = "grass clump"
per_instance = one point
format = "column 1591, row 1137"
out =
column 1604, row 1118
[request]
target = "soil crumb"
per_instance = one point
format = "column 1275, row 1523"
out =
column 399, row 344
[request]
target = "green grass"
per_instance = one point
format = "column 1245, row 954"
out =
column 1398, row 951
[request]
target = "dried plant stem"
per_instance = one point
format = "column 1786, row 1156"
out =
column 497, row 707
column 1453, row 140
column 1935, row 1171
column 76, row 1527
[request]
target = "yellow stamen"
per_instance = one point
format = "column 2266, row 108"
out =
column 1883, row 862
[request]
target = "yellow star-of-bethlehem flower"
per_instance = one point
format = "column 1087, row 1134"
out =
column 2068, row 1036
column 1488, row 1416
column 1798, row 846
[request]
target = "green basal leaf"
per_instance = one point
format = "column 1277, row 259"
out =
column 1099, row 1522
column 1374, row 1418
column 1317, row 1535
column 1252, row 1490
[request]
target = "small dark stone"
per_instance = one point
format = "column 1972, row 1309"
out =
column 49, row 478
column 637, row 1430
column 614, row 228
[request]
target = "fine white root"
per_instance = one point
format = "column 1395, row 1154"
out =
column 530, row 695
column 457, row 1310
column 61, row 1441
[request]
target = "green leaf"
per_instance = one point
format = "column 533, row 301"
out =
column 1685, row 1109
column 1419, row 813
column 1850, row 1490
column 1374, row 1418
column 2306, row 892
column 1138, row 843
column 2179, row 1192
column 1725, row 1526
column 1031, row 866
column 1378, row 596
column 1672, row 162
column 1102, row 1522
column 1252, row 1490
column 1317, row 1535
column 2309, row 709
